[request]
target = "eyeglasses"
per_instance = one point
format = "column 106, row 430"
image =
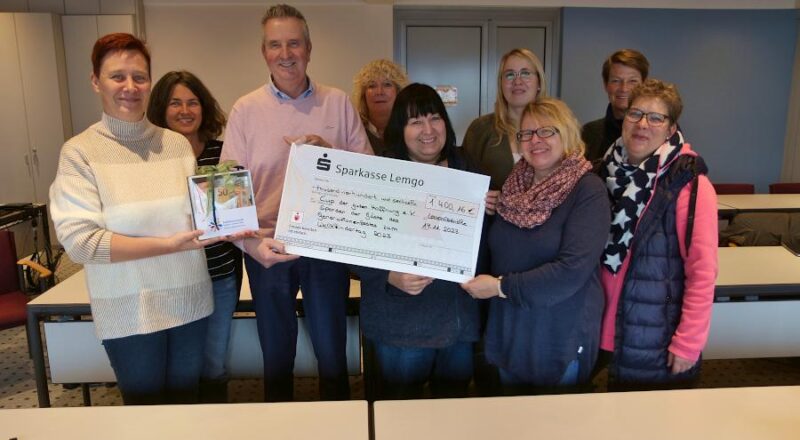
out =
column 653, row 118
column 523, row 75
column 542, row 132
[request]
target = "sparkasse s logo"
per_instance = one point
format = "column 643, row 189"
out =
column 323, row 163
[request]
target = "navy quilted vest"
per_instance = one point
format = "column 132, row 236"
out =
column 652, row 295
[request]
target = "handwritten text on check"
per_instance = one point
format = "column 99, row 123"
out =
column 383, row 213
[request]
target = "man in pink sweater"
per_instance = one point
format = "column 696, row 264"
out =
column 262, row 126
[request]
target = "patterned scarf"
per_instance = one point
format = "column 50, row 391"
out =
column 526, row 204
column 630, row 187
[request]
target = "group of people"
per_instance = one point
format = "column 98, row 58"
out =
column 580, row 266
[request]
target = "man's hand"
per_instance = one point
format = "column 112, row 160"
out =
column 310, row 139
column 267, row 251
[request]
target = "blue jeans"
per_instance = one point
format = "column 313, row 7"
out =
column 226, row 295
column 569, row 378
column 326, row 286
column 160, row 367
column 404, row 370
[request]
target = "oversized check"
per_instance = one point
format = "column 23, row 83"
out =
column 383, row 213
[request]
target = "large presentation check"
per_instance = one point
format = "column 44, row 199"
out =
column 382, row 213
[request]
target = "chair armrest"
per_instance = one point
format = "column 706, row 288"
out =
column 43, row 271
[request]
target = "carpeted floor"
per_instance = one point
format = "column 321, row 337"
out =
column 18, row 388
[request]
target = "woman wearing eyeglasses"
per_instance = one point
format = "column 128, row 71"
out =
column 660, row 261
column 545, row 246
column 489, row 141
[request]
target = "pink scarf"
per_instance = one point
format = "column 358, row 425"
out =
column 526, row 204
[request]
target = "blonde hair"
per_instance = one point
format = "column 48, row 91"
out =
column 556, row 112
column 375, row 70
column 503, row 125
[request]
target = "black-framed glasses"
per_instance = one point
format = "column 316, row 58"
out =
column 542, row 132
column 524, row 75
column 655, row 119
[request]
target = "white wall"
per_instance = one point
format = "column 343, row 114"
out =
column 222, row 44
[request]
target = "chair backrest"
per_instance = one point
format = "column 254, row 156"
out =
column 9, row 279
column 785, row 188
column 734, row 188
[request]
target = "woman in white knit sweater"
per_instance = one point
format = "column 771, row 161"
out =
column 120, row 206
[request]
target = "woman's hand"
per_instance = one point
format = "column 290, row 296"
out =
column 241, row 235
column 408, row 283
column 267, row 251
column 310, row 139
column 482, row 287
column 181, row 242
column 125, row 248
column 678, row 364
column 189, row 240
column 491, row 201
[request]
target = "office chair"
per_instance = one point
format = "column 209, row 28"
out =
column 13, row 300
column 785, row 188
column 734, row 188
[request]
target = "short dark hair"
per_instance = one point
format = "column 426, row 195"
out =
column 213, row 116
column 286, row 11
column 413, row 101
column 627, row 57
column 116, row 43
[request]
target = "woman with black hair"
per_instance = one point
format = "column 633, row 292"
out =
column 422, row 329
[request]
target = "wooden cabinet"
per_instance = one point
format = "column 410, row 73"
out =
column 34, row 104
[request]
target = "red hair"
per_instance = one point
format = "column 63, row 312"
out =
column 115, row 43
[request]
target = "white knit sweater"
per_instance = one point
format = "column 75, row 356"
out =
column 130, row 178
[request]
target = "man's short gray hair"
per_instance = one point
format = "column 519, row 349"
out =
column 286, row 11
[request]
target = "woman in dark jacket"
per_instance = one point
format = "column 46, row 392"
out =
column 660, row 262
column 422, row 329
column 545, row 245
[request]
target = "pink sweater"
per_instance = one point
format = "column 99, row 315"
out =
column 700, row 269
column 258, row 123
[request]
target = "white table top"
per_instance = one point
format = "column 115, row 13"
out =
column 346, row 420
column 760, row 202
column 73, row 291
column 727, row 413
column 757, row 265
column 741, row 266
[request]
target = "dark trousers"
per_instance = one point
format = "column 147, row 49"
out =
column 405, row 370
column 161, row 367
column 325, row 286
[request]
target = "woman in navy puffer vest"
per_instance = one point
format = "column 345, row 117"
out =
column 660, row 261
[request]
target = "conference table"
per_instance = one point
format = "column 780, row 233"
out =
column 723, row 413
column 75, row 355
column 756, row 304
column 759, row 286
column 731, row 204
column 347, row 420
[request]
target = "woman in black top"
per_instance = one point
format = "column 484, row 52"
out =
column 180, row 102
column 422, row 329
